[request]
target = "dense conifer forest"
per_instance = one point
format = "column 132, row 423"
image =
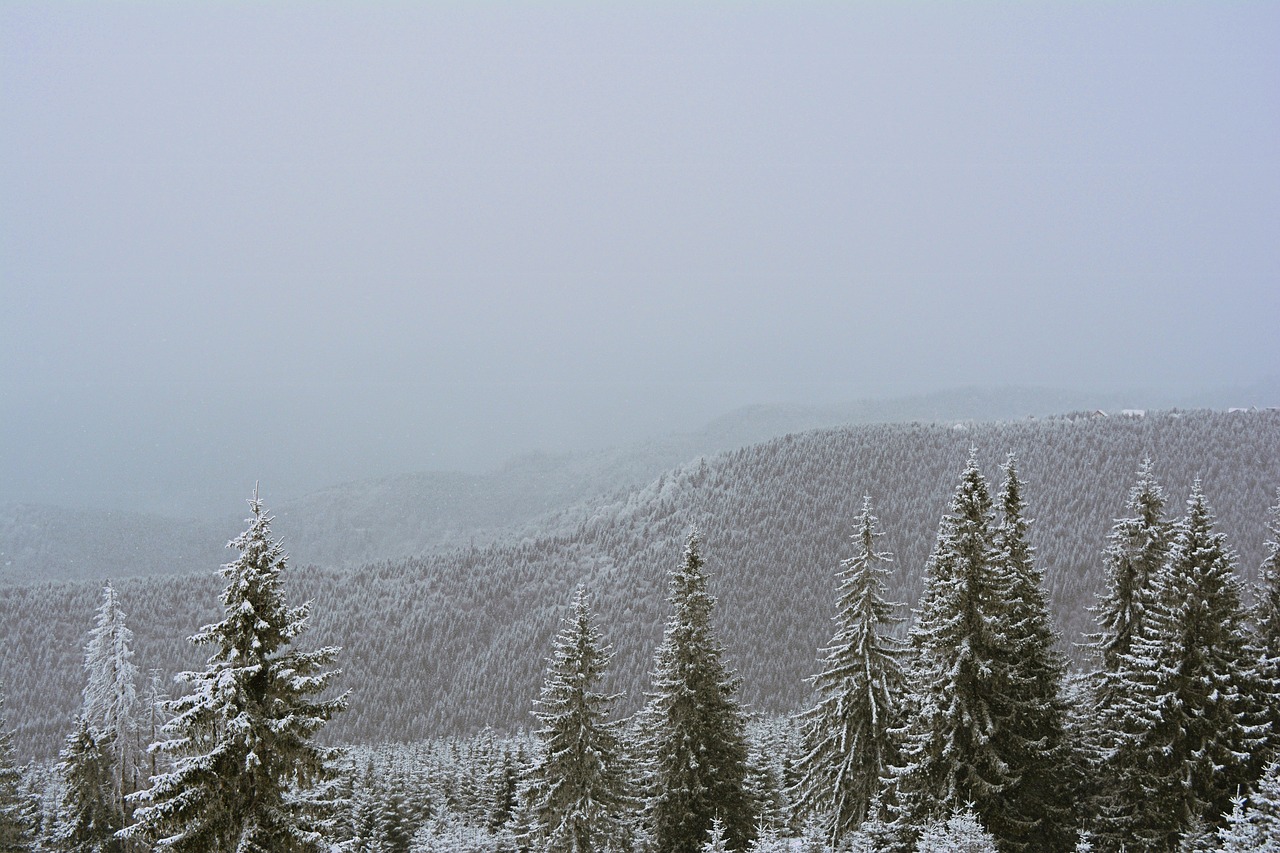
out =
column 1090, row 664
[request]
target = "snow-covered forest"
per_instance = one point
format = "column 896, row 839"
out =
column 780, row 648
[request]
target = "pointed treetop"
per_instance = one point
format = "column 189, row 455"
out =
column 867, row 532
column 1011, row 491
column 109, row 693
column 1146, row 497
column 693, row 542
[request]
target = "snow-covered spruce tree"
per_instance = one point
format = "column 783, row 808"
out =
column 577, row 792
column 110, row 696
column 1267, row 605
column 1037, row 816
column 716, row 841
column 848, row 745
column 1265, row 640
column 16, row 809
column 152, row 718
column 1137, row 548
column 1182, row 727
column 91, row 814
column 960, row 833
column 244, row 763
column 1198, row 838
column 956, row 752
column 394, row 827
column 1254, row 822
column 765, row 782
column 694, row 731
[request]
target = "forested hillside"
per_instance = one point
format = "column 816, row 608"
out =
column 357, row 522
column 453, row 642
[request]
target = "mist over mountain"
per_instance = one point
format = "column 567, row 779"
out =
column 454, row 641
column 409, row 514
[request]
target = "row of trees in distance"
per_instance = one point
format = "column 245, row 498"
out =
column 966, row 730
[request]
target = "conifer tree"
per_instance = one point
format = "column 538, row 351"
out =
column 956, row 750
column 244, row 761
column 1182, row 728
column 91, row 810
column 1037, row 816
column 847, row 739
column 695, row 733
column 152, row 719
column 962, row 832
column 1265, row 642
column 716, row 840
column 394, row 829
column 1267, row 606
column 577, row 792
column 1254, row 822
column 1138, row 547
column 110, row 696
column 16, row 831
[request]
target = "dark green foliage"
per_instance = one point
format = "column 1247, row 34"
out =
column 847, row 735
column 695, row 738
column 1265, row 641
column 1181, row 729
column 447, row 644
column 1037, row 813
column 241, row 739
column 956, row 754
column 1267, row 607
column 577, row 790
column 1138, row 547
column 91, row 811
column 394, row 827
column 16, row 810
column 774, row 748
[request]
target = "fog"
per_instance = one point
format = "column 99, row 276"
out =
column 313, row 242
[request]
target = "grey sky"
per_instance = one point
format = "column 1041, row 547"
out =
column 310, row 241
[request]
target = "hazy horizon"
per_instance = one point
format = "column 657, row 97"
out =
column 309, row 243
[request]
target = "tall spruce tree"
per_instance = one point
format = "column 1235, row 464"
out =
column 1265, row 641
column 91, row 813
column 1267, row 603
column 16, row 810
column 578, row 790
column 244, row 760
column 1037, row 813
column 848, row 743
column 1137, row 548
column 150, row 722
column 695, row 732
column 1182, row 727
column 110, row 697
column 956, row 753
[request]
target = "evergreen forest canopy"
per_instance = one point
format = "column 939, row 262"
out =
column 958, row 724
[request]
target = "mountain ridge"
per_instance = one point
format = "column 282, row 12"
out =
column 355, row 522
column 450, row 642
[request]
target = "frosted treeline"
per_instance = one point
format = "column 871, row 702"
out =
column 965, row 722
column 448, row 644
column 964, row 736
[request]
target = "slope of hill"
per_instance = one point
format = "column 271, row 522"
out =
column 451, row 642
column 395, row 517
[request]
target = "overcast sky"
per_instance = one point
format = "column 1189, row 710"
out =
column 311, row 241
